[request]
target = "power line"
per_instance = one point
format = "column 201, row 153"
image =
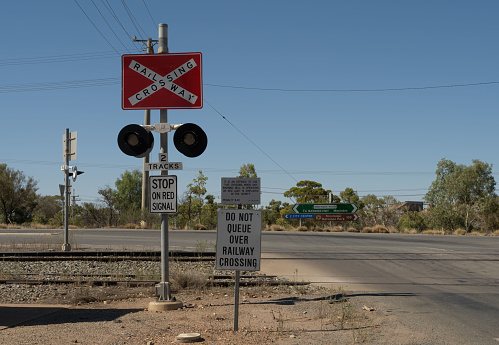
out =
column 132, row 19
column 111, row 81
column 58, row 58
column 96, row 28
column 58, row 85
column 115, row 16
column 251, row 141
column 353, row 90
column 150, row 15
column 105, row 20
column 229, row 170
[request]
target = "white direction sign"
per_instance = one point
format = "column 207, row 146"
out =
column 163, row 194
column 240, row 191
column 239, row 238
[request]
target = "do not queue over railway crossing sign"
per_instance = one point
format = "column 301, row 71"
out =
column 162, row 81
column 239, row 235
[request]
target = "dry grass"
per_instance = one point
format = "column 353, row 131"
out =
column 352, row 229
column 459, row 232
column 189, row 280
column 275, row 227
column 377, row 229
column 301, row 228
column 495, row 233
column 9, row 226
column 411, row 231
column 337, row 228
column 131, row 226
column 434, row 232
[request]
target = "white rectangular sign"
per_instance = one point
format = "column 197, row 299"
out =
column 164, row 166
column 239, row 238
column 241, row 191
column 73, row 137
column 163, row 194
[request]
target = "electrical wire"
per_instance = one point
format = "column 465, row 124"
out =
column 150, row 15
column 115, row 16
column 96, row 28
column 58, row 58
column 58, row 85
column 353, row 90
column 251, row 141
column 105, row 20
column 132, row 19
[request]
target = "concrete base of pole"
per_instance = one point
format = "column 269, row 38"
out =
column 164, row 305
column 66, row 247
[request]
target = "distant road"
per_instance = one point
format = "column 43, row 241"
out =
column 446, row 286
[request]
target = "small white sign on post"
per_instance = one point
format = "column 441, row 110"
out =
column 163, row 194
column 73, row 137
column 239, row 234
column 241, row 190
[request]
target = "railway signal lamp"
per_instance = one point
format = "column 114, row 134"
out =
column 135, row 140
column 190, row 140
column 76, row 173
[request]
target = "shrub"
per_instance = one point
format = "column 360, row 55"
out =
column 189, row 280
column 199, row 227
column 275, row 227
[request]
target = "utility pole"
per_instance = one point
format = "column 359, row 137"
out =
column 73, row 201
column 147, row 121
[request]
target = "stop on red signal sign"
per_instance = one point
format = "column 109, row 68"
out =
column 162, row 81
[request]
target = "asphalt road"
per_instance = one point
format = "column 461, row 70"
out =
column 445, row 286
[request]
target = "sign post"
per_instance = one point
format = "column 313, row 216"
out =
column 239, row 237
column 163, row 289
column 69, row 154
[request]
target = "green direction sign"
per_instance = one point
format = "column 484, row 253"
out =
column 325, row 208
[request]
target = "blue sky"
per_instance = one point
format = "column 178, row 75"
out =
column 378, row 121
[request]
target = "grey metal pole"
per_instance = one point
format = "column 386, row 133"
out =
column 163, row 117
column 66, row 246
column 236, row 303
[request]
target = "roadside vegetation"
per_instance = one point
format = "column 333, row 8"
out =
column 460, row 201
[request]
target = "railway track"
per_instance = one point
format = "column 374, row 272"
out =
column 105, row 256
column 119, row 279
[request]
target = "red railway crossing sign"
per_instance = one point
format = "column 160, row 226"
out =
column 162, row 81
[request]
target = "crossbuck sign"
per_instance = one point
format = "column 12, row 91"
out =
column 162, row 81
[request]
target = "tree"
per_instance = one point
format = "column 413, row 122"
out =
column 209, row 212
column 272, row 212
column 194, row 197
column 109, row 197
column 373, row 207
column 349, row 196
column 17, row 195
column 128, row 194
column 47, row 207
column 460, row 194
column 308, row 192
column 247, row 170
